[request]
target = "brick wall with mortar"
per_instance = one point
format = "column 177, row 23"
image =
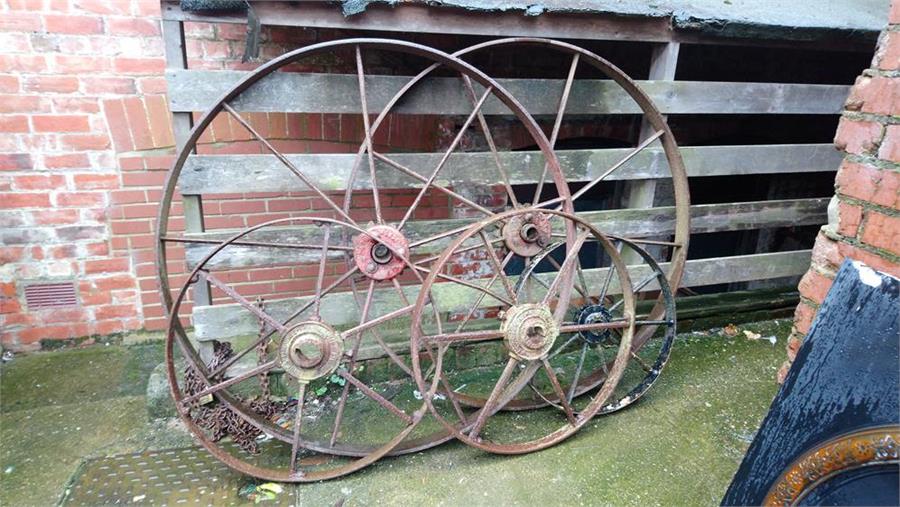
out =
column 86, row 143
column 864, row 216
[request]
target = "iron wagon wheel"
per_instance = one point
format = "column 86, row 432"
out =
column 646, row 359
column 310, row 350
column 673, row 252
column 368, row 256
column 523, row 321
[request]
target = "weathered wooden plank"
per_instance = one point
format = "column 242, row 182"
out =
column 197, row 90
column 203, row 174
column 230, row 320
column 644, row 222
column 176, row 58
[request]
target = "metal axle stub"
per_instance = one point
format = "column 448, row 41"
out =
column 592, row 314
column 310, row 350
column 529, row 330
column 374, row 252
column 527, row 234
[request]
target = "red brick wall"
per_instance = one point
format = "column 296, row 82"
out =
column 59, row 62
column 865, row 213
column 87, row 140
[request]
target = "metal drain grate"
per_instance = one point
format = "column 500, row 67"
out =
column 50, row 295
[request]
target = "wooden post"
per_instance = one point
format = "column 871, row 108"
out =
column 176, row 58
column 642, row 193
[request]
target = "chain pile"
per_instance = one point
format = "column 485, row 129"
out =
column 220, row 420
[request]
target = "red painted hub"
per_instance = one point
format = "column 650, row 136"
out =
column 374, row 252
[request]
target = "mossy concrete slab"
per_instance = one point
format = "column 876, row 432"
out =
column 679, row 445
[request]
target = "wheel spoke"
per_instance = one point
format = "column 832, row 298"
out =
column 557, row 123
column 486, row 411
column 361, row 78
column 440, row 235
column 480, row 297
column 443, row 161
column 290, row 165
column 263, row 368
column 577, row 375
column 465, row 283
column 644, row 366
column 371, row 393
column 364, row 315
column 241, row 300
column 594, row 326
column 303, row 246
column 482, row 122
column 571, row 258
column 412, row 174
column 618, row 164
column 298, row 419
column 563, row 346
column 317, row 302
column 645, row 282
column 365, row 326
column 554, row 381
column 495, row 262
column 581, row 286
column 649, row 241
column 608, row 280
column 465, row 336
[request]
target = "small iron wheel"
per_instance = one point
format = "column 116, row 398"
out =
column 655, row 329
column 521, row 321
column 315, row 345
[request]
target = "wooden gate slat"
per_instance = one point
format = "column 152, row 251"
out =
column 219, row 322
column 197, row 90
column 203, row 174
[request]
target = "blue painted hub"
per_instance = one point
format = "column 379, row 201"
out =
column 591, row 314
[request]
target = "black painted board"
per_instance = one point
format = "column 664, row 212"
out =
column 844, row 378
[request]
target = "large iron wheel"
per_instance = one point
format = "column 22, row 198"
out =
column 527, row 318
column 660, row 319
column 369, row 250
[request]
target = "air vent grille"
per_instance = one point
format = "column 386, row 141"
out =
column 50, row 295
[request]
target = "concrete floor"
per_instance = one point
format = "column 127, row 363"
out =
column 68, row 416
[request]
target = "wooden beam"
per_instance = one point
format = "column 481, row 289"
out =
column 398, row 17
column 426, row 19
column 182, row 121
column 642, row 193
column 634, row 223
column 221, row 322
column 198, row 90
column 203, row 174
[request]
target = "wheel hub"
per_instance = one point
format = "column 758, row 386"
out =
column 375, row 257
column 529, row 330
column 310, row 350
column 527, row 234
column 592, row 314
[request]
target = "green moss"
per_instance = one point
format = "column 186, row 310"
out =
column 679, row 445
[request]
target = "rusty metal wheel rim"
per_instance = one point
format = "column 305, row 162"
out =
column 679, row 243
column 667, row 322
column 220, row 390
column 470, row 74
column 506, row 387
